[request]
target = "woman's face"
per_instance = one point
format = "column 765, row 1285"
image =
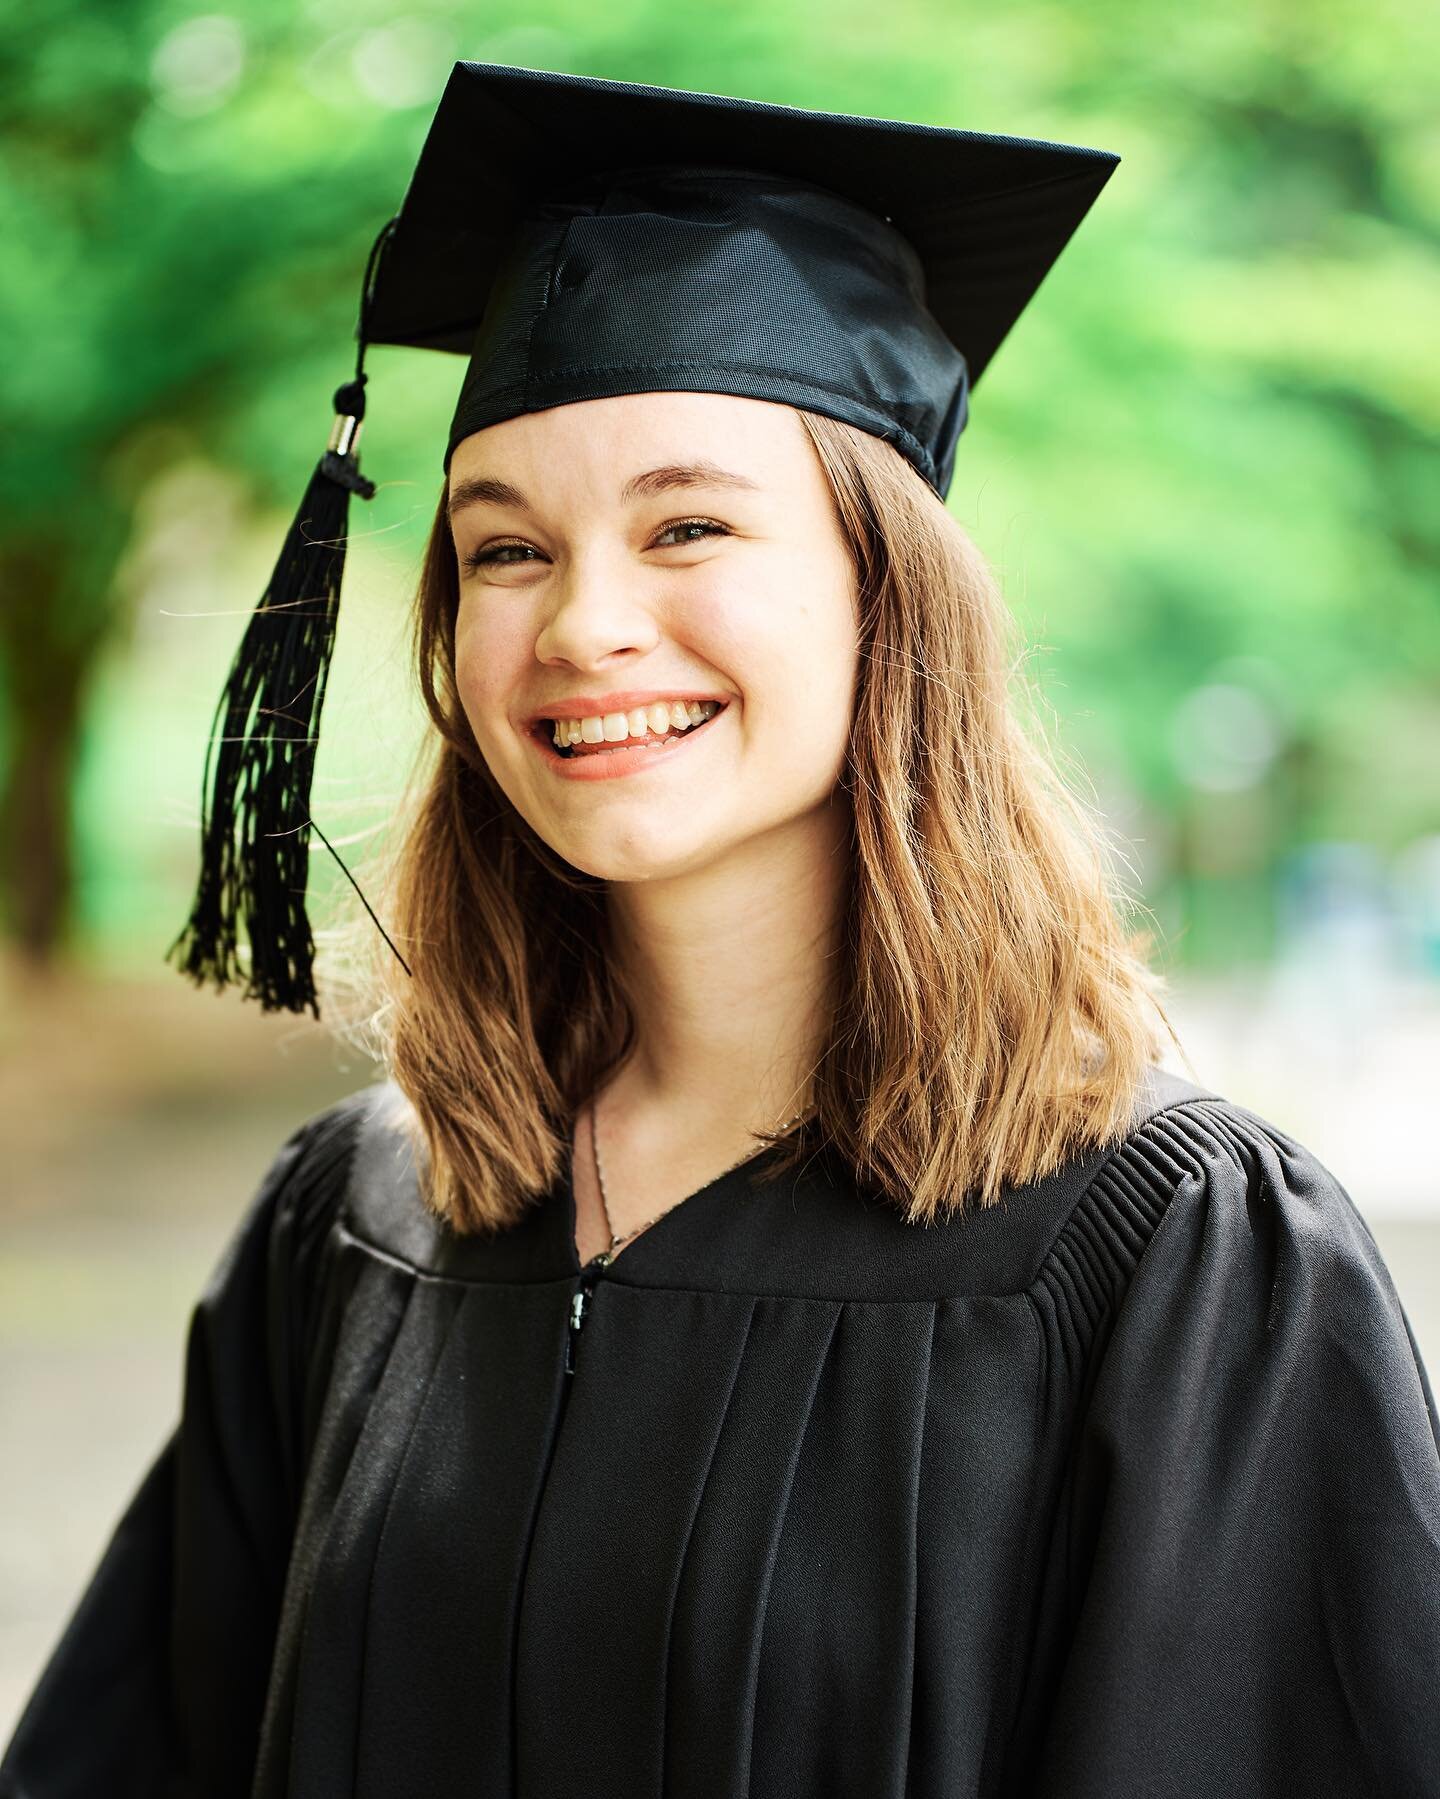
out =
column 603, row 571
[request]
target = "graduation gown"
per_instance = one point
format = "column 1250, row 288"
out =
column 1129, row 1486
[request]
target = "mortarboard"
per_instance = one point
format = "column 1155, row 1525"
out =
column 576, row 238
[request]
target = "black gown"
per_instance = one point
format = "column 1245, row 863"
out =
column 1130, row 1487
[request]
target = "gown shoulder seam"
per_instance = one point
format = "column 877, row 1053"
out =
column 1201, row 1142
column 1098, row 1245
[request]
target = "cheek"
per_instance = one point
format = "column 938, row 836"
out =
column 783, row 616
column 489, row 658
column 799, row 680
column 806, row 648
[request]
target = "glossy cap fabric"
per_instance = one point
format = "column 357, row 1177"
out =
column 730, row 283
column 577, row 238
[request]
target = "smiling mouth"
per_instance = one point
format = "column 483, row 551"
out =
column 544, row 731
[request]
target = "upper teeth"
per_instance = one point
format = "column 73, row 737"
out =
column 615, row 727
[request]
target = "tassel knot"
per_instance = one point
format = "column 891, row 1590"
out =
column 350, row 398
column 345, row 472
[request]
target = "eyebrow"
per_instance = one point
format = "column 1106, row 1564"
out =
column 486, row 490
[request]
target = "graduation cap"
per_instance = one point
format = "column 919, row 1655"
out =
column 576, row 238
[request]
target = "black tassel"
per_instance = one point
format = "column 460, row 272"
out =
column 256, row 823
column 255, row 831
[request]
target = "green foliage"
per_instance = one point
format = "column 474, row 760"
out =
column 1211, row 438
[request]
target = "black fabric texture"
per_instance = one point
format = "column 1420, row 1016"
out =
column 1129, row 1486
column 722, row 283
column 577, row 238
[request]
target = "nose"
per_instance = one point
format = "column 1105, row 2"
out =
column 594, row 613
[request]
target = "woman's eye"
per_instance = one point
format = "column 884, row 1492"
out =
column 495, row 553
column 478, row 557
column 705, row 525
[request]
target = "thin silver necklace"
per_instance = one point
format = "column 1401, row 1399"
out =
column 606, row 1256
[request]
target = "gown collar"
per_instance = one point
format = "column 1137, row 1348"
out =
column 809, row 1231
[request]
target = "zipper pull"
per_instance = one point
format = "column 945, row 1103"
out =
column 580, row 1304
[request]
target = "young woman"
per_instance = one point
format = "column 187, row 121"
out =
column 1018, row 1418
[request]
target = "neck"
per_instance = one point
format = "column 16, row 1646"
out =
column 731, row 972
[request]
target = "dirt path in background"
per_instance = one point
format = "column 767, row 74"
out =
column 106, row 1086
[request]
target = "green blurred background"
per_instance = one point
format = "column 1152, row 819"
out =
column 1203, row 465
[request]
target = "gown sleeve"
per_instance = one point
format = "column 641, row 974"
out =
column 1255, row 1521
column 157, row 1685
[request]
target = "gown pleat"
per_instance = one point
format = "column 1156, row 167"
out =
column 356, row 1360
column 722, row 1599
column 444, row 1590
column 611, row 1535
column 327, row 1760
column 835, row 1677
column 1126, row 1486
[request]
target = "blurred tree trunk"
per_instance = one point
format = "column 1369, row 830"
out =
column 47, row 671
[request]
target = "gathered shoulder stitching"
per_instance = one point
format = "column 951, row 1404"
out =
column 1097, row 1248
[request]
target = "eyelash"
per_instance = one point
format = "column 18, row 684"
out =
column 479, row 558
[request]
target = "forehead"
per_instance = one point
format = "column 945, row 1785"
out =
column 615, row 437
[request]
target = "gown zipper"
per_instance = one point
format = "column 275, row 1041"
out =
column 580, row 1304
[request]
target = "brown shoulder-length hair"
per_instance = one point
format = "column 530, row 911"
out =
column 992, row 1014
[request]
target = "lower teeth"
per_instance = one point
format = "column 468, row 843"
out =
column 653, row 743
